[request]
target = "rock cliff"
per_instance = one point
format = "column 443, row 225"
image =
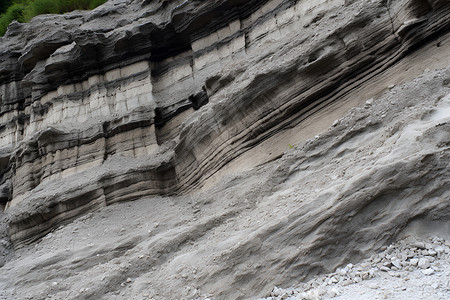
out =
column 193, row 106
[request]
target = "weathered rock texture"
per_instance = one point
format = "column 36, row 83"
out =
column 165, row 98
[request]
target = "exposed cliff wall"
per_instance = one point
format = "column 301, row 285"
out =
column 80, row 89
column 165, row 98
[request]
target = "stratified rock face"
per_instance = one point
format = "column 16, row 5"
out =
column 142, row 98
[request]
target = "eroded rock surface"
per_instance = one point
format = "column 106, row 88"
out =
column 192, row 106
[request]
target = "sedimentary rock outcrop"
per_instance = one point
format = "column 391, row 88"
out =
column 165, row 98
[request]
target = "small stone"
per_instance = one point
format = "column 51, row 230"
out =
column 387, row 264
column 424, row 263
column 128, row 280
column 390, row 249
column 312, row 294
column 432, row 252
column 428, row 271
column 384, row 269
column 374, row 286
column 343, row 271
column 276, row 292
column 351, row 274
column 333, row 292
column 439, row 250
column 413, row 261
column 346, row 282
column 419, row 245
column 395, row 274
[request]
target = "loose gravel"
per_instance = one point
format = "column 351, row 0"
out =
column 408, row 269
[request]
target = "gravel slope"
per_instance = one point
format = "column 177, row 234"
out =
column 412, row 268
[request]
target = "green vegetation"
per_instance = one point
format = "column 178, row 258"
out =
column 4, row 4
column 25, row 10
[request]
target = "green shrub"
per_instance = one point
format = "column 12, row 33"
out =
column 95, row 3
column 25, row 10
column 41, row 7
column 14, row 12
column 4, row 4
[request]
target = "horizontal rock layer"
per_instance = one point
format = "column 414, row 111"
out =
column 135, row 99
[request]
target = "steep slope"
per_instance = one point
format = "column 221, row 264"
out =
column 189, row 108
column 379, row 171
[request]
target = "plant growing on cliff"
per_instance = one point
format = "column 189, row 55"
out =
column 4, row 4
column 24, row 10
column 14, row 12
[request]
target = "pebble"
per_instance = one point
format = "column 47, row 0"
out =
column 343, row 271
column 394, row 274
column 397, row 263
column 276, row 292
column 424, row 263
column 346, row 282
column 333, row 280
column 439, row 250
column 419, row 245
column 333, row 292
column 374, row 286
column 414, row 262
column 428, row 271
